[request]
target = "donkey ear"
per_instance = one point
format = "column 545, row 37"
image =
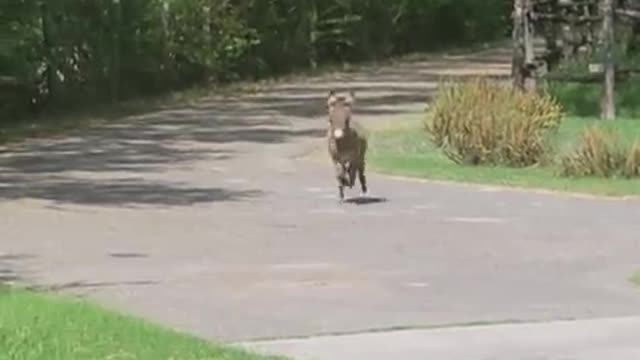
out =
column 350, row 98
column 331, row 98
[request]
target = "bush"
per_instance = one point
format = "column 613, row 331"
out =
column 601, row 152
column 584, row 99
column 481, row 121
column 632, row 164
column 598, row 153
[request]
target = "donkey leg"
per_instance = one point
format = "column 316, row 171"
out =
column 352, row 170
column 362, row 178
column 362, row 163
column 341, row 178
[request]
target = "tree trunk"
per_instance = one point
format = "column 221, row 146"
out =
column 552, row 32
column 48, row 41
column 529, row 55
column 313, row 35
column 207, row 30
column 608, row 110
column 519, row 52
column 167, row 68
column 115, row 66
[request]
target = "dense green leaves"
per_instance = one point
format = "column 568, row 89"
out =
column 58, row 53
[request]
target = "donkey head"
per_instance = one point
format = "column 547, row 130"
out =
column 340, row 113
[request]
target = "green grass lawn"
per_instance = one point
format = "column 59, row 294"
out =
column 635, row 279
column 46, row 327
column 405, row 150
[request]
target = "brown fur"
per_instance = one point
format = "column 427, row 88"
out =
column 347, row 143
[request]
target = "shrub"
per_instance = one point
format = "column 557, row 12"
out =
column 481, row 121
column 632, row 163
column 599, row 152
column 584, row 99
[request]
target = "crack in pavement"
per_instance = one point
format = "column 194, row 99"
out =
column 577, row 340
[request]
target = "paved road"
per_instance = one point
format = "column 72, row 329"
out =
column 209, row 218
column 580, row 340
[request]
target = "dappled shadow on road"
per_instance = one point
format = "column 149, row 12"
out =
column 13, row 270
column 379, row 91
column 92, row 285
column 10, row 265
column 7, row 275
column 123, row 192
column 215, row 129
column 365, row 200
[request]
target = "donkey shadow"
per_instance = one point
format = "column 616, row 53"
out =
column 365, row 200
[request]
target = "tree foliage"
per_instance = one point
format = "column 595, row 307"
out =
column 58, row 53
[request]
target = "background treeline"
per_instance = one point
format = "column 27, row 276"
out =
column 56, row 54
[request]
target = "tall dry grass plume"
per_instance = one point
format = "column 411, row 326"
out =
column 482, row 121
column 599, row 152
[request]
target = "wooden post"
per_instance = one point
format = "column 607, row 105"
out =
column 608, row 109
column 518, row 36
column 529, row 55
column 553, row 42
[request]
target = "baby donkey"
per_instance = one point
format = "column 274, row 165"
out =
column 347, row 142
